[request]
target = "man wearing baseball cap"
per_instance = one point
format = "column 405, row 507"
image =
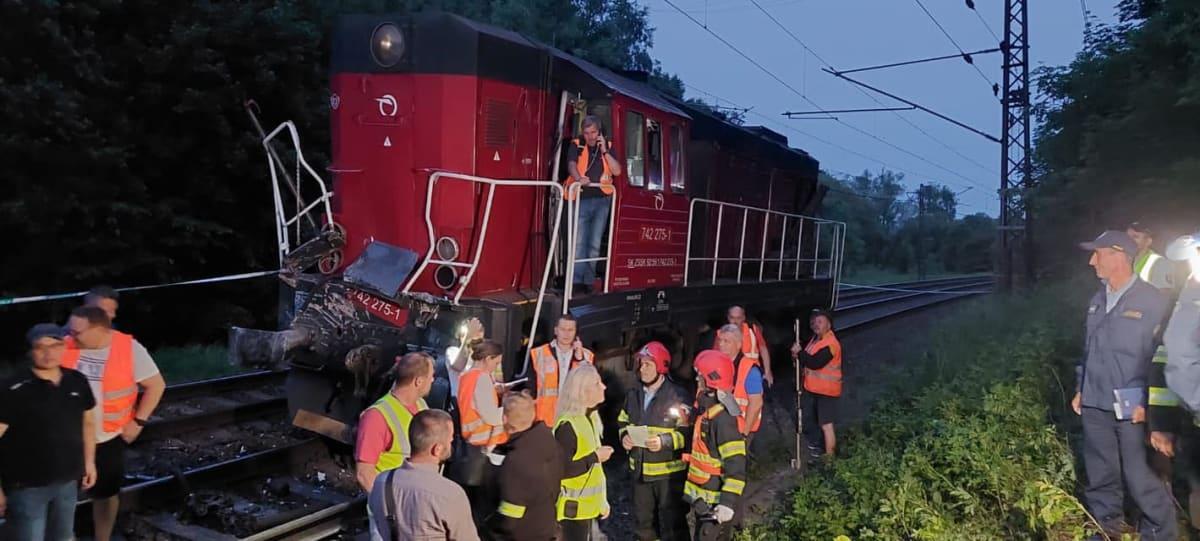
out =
column 658, row 412
column 1123, row 322
column 382, row 442
column 47, row 428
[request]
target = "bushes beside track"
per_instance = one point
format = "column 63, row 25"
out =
column 966, row 442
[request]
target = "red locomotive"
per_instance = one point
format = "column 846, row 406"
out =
column 449, row 142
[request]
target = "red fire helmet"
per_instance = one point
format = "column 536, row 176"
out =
column 657, row 352
column 716, row 368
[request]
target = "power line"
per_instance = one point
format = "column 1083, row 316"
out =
column 918, row 106
column 921, row 61
column 806, row 98
column 971, row 6
column 870, row 96
column 995, row 87
column 821, row 140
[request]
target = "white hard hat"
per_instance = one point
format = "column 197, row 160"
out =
column 1184, row 248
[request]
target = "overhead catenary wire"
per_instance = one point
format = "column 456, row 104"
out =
column 793, row 89
column 995, row 87
column 971, row 6
column 821, row 140
column 820, row 59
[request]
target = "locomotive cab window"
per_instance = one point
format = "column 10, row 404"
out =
column 635, row 148
column 676, row 156
column 654, row 155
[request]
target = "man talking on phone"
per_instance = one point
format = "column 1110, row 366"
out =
column 551, row 362
column 590, row 165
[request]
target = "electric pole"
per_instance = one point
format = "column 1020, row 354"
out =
column 1016, row 169
column 923, row 194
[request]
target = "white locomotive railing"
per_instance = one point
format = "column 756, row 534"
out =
column 465, row 281
column 574, row 193
column 825, row 232
column 284, row 242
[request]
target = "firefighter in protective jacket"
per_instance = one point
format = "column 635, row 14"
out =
column 654, row 431
column 716, row 474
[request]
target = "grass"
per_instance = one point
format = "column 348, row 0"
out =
column 196, row 362
column 970, row 441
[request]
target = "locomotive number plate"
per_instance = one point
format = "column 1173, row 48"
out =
column 380, row 308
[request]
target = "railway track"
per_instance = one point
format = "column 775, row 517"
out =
column 233, row 469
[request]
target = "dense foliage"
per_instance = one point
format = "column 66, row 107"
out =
column 129, row 158
column 1120, row 129
column 965, row 445
column 887, row 230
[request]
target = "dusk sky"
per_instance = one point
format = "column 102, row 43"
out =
column 858, row 33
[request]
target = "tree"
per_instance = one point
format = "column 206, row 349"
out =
column 1119, row 129
column 129, row 158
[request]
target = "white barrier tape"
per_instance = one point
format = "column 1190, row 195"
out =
column 944, row 292
column 57, row 296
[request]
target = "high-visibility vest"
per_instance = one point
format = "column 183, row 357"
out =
column 581, row 165
column 705, row 477
column 546, row 369
column 741, row 396
column 1161, row 396
column 826, row 381
column 1144, row 265
column 586, row 490
column 117, row 385
column 475, row 430
column 398, row 418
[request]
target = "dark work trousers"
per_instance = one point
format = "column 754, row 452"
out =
column 709, row 530
column 576, row 530
column 659, row 510
column 739, row 510
column 1115, row 451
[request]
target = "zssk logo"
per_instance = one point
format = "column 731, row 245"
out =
column 334, row 101
column 387, row 105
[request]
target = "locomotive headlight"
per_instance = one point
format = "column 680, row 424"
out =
column 387, row 45
column 447, row 249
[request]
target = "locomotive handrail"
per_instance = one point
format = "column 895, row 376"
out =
column 834, row 259
column 282, row 222
column 487, row 213
column 573, row 192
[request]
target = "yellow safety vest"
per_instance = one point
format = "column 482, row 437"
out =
column 587, row 490
column 397, row 418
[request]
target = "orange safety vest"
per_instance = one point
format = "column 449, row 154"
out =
column 828, row 380
column 116, row 384
column 545, row 367
column 474, row 429
column 581, row 165
column 740, row 394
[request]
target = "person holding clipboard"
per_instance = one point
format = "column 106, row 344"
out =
column 653, row 425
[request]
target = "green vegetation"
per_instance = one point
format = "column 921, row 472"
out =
column 191, row 363
column 965, row 444
column 886, row 232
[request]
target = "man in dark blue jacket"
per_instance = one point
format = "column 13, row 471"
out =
column 1123, row 321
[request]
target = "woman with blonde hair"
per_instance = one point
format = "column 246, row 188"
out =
column 577, row 429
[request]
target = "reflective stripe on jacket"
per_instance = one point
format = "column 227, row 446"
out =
column 666, row 419
column 546, row 370
column 717, row 478
column 475, row 430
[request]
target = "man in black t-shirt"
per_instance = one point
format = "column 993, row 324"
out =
column 590, row 164
column 47, row 441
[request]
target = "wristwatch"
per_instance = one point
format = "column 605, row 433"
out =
column 140, row 422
